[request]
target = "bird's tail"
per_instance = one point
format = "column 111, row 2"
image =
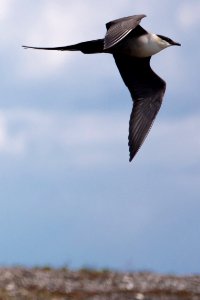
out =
column 89, row 47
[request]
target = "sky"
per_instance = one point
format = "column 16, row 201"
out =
column 68, row 194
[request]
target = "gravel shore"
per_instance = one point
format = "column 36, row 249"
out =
column 86, row 284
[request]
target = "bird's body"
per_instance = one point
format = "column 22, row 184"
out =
column 132, row 48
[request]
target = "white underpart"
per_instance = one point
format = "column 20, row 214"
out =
column 145, row 45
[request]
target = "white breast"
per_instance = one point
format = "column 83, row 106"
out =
column 143, row 46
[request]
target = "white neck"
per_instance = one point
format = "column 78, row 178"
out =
column 145, row 45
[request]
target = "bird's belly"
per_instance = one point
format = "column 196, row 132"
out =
column 140, row 47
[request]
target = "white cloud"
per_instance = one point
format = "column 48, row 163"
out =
column 9, row 144
column 82, row 138
column 189, row 14
column 175, row 142
column 95, row 138
column 5, row 6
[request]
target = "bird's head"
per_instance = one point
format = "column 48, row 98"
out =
column 166, row 42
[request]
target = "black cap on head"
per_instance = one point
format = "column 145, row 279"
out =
column 170, row 41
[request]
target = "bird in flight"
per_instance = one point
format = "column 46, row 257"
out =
column 132, row 47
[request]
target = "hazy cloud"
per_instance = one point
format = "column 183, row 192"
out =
column 5, row 9
column 92, row 138
column 189, row 14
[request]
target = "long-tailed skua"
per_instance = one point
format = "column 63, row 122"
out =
column 132, row 47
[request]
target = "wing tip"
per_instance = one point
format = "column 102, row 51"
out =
column 132, row 155
column 142, row 16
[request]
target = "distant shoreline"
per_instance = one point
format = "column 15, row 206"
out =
column 90, row 284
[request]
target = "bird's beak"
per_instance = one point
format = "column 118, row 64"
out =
column 176, row 44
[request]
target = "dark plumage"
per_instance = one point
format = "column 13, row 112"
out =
column 132, row 47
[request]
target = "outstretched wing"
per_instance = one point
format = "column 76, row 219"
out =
column 147, row 90
column 120, row 28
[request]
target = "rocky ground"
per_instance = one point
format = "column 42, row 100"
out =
column 64, row 284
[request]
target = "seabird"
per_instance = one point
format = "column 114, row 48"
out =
column 132, row 47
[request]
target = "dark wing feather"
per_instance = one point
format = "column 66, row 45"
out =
column 147, row 90
column 119, row 29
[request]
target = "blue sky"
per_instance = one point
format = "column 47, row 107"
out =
column 68, row 195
